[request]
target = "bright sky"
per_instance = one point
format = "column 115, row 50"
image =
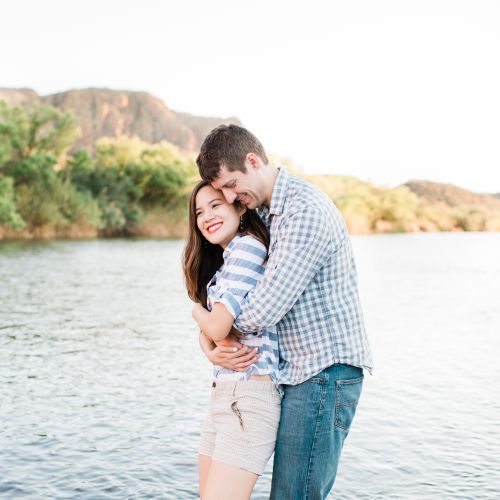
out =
column 383, row 90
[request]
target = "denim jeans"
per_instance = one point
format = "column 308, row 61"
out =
column 315, row 420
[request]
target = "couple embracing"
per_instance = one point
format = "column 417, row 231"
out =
column 269, row 263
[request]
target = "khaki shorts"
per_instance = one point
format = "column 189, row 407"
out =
column 242, row 423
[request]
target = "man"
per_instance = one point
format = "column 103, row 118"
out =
column 309, row 291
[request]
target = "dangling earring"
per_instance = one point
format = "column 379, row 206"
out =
column 242, row 225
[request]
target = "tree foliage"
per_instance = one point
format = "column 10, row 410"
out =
column 121, row 182
column 34, row 130
column 43, row 184
column 9, row 215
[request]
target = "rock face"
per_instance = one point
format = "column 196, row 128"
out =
column 116, row 113
column 453, row 196
column 18, row 96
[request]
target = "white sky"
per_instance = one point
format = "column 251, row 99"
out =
column 383, row 90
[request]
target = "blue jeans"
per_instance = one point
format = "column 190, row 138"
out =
column 315, row 420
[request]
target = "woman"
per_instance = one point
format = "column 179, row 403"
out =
column 223, row 260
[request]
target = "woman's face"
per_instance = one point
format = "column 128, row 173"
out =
column 217, row 219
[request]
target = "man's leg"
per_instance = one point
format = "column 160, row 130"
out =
column 315, row 420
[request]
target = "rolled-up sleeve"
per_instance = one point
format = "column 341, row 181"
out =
column 241, row 272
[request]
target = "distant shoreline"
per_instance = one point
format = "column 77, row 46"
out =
column 127, row 187
column 165, row 231
column 46, row 233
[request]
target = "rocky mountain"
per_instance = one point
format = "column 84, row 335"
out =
column 117, row 113
column 453, row 196
column 18, row 96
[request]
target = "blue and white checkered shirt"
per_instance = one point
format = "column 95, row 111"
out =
column 243, row 267
column 309, row 289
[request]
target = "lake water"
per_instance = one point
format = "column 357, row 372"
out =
column 103, row 387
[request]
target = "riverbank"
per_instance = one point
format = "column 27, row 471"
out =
column 156, row 224
column 155, row 228
column 125, row 186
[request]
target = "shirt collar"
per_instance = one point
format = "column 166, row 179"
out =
column 280, row 190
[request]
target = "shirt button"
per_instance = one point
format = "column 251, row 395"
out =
column 213, row 384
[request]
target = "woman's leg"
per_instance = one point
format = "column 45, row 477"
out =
column 204, row 463
column 226, row 482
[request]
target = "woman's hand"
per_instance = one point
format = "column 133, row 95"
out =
column 233, row 358
column 229, row 353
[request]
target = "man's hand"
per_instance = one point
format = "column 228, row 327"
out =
column 230, row 354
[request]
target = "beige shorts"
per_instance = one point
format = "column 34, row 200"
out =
column 242, row 423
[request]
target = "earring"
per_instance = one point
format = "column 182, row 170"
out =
column 242, row 225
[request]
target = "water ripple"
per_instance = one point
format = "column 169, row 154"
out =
column 104, row 388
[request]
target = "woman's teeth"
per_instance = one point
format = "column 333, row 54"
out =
column 214, row 228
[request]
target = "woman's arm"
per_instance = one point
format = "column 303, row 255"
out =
column 239, row 274
column 207, row 344
column 216, row 323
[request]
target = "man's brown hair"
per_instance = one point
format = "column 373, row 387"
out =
column 227, row 146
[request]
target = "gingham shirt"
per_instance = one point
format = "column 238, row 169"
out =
column 243, row 267
column 309, row 289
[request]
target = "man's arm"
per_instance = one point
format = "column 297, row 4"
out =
column 304, row 244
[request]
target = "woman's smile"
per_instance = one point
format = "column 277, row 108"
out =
column 217, row 219
column 214, row 227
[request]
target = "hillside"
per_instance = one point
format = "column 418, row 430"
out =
column 120, row 113
column 135, row 182
column 453, row 196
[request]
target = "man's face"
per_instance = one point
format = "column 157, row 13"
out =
column 247, row 188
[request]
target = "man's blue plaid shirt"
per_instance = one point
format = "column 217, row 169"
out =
column 309, row 289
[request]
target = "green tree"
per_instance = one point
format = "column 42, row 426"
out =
column 34, row 130
column 154, row 173
column 9, row 215
column 397, row 205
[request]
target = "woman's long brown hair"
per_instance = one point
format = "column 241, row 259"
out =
column 201, row 259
